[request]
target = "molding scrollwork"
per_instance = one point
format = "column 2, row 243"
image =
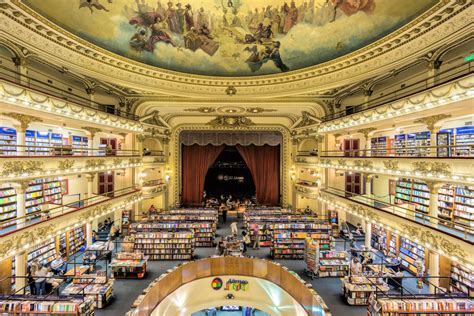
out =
column 257, row 109
column 65, row 164
column 95, row 163
column 438, row 242
column 342, row 162
column 431, row 121
column 364, row 163
column 140, row 138
column 118, row 161
column 365, row 212
column 438, row 168
column 391, row 164
column 135, row 161
column 25, row 238
column 202, row 109
column 231, row 121
column 21, row 167
column 24, row 119
column 92, row 130
column 366, row 131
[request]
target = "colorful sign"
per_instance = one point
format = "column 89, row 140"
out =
column 236, row 285
column 216, row 283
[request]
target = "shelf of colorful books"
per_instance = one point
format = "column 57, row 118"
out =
column 31, row 305
column 394, row 306
column 462, row 280
column 163, row 245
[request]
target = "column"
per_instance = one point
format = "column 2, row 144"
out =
column 368, row 185
column 20, row 270
column 91, row 93
column 89, row 234
column 433, row 70
column 433, row 208
column 20, row 140
column 90, row 185
column 368, row 234
column 20, row 190
column 366, row 132
column 433, row 270
column 92, row 132
column 433, row 152
column 20, row 63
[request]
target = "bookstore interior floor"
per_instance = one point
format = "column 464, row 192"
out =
column 127, row 290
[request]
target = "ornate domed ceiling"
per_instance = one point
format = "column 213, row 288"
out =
column 231, row 37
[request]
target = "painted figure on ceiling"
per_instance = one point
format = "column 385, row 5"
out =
column 291, row 17
column 189, row 17
column 171, row 18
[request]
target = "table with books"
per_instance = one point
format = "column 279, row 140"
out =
column 129, row 265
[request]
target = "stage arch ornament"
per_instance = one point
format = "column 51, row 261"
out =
column 42, row 37
column 276, row 135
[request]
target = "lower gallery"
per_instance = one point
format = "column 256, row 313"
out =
column 224, row 158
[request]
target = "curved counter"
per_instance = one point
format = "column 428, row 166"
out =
column 259, row 272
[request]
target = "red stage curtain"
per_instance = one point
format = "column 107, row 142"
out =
column 264, row 164
column 196, row 162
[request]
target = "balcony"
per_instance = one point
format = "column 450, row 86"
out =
column 421, row 83
column 49, row 223
column 153, row 158
column 412, row 162
column 449, row 238
column 27, row 162
column 153, row 188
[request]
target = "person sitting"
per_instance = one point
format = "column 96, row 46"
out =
column 95, row 237
column 89, row 259
column 313, row 152
column 58, row 265
column 359, row 231
column 152, row 209
column 307, row 210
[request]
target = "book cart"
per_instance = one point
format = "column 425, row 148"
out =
column 358, row 289
column 97, row 287
column 324, row 263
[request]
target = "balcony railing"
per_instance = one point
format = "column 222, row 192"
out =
column 32, row 82
column 455, row 229
column 17, row 223
column 445, row 151
column 13, row 151
column 421, row 83
column 152, row 183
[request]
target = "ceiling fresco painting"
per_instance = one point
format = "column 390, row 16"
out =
column 231, row 37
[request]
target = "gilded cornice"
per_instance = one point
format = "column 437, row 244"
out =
column 24, row 25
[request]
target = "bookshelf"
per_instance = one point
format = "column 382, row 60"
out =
column 80, row 144
column 62, row 245
column 417, row 193
column 77, row 239
column 333, row 264
column 264, row 219
column 41, row 191
column 95, row 287
column 462, row 280
column 128, row 265
column 334, row 220
column 456, row 203
column 7, row 141
column 163, row 245
column 378, row 146
column 379, row 238
column 464, row 137
column 444, row 138
column 44, row 252
column 358, row 289
column 289, row 238
column 27, row 304
column 419, row 306
column 204, row 232
column 409, row 253
column 7, row 206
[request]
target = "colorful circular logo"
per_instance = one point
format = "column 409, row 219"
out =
column 216, row 283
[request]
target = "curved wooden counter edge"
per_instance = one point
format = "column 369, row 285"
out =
column 289, row 281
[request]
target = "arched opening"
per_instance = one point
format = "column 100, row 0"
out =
column 229, row 175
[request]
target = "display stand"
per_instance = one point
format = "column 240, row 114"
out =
column 127, row 265
column 324, row 263
column 419, row 305
column 34, row 304
column 93, row 286
column 358, row 289
column 289, row 238
column 163, row 245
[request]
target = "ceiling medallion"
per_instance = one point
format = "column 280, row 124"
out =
column 202, row 109
column 259, row 110
column 234, row 110
column 231, row 90
column 231, row 121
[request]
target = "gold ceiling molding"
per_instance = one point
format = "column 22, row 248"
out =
column 202, row 109
column 21, row 167
column 25, row 26
column 24, row 119
column 65, row 164
column 431, row 121
column 231, row 122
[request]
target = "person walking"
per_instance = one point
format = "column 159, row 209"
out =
column 233, row 228
column 256, row 233
column 246, row 240
column 40, row 280
column 109, row 248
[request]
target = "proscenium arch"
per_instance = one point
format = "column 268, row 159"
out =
column 197, row 295
column 284, row 154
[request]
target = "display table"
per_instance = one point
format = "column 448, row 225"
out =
column 388, row 273
column 357, row 290
column 97, row 288
column 78, row 271
column 129, row 265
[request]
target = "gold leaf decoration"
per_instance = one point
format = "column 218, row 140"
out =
column 65, row 164
column 391, row 164
column 21, row 167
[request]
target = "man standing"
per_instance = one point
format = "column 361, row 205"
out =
column 233, row 228
column 256, row 234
